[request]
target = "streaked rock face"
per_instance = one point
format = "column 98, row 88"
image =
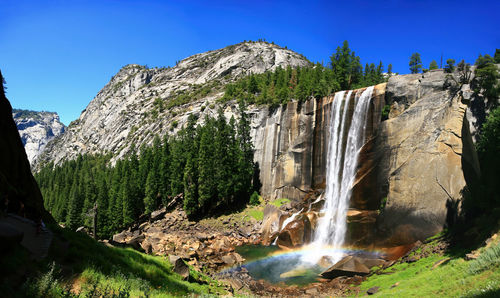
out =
column 36, row 130
column 426, row 157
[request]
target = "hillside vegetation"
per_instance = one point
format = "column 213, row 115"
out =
column 78, row 266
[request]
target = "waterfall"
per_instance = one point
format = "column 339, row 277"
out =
column 347, row 136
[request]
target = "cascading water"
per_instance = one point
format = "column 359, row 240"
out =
column 346, row 137
column 342, row 161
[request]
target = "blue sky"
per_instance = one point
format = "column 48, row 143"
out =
column 56, row 55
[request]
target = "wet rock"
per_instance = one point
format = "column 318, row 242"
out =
column 271, row 224
column 297, row 272
column 325, row 262
column 348, row 266
column 296, row 232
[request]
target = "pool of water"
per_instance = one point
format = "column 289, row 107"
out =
column 289, row 267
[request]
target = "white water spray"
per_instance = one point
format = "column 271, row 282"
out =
column 342, row 161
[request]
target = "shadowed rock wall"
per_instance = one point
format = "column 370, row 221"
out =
column 17, row 184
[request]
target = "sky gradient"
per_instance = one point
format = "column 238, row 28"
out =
column 56, row 55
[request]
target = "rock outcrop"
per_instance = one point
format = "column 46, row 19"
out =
column 36, row 130
column 425, row 156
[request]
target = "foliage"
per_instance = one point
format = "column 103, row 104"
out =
column 212, row 164
column 385, row 112
column 101, row 271
column 255, row 199
column 194, row 93
column 433, row 65
column 284, row 84
column 488, row 259
column 486, row 79
column 419, row 279
column 450, row 66
column 488, row 148
column 415, row 63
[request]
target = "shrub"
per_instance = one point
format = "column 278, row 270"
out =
column 385, row 112
column 488, row 259
column 254, row 199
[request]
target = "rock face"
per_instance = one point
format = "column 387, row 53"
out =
column 138, row 102
column 425, row 156
column 17, row 185
column 412, row 169
column 36, row 130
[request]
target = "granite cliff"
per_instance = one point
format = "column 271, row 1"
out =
column 36, row 130
column 139, row 103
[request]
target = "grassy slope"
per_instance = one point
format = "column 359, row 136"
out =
column 89, row 267
column 451, row 279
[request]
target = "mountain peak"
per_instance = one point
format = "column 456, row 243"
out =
column 139, row 102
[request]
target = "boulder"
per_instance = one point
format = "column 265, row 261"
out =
column 271, row 224
column 135, row 241
column 158, row 214
column 228, row 260
column 372, row 290
column 180, row 266
column 348, row 266
column 121, row 237
column 296, row 233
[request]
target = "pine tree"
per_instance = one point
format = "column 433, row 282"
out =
column 190, row 181
column 103, row 225
column 164, row 183
column 245, row 162
column 75, row 206
column 450, row 66
column 207, row 184
column 433, row 65
column 415, row 63
column 150, row 202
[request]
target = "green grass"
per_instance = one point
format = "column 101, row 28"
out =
column 279, row 202
column 96, row 268
column 256, row 213
column 451, row 279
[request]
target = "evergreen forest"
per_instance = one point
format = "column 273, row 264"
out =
column 210, row 164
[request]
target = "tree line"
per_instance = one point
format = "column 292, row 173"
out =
column 211, row 164
column 344, row 72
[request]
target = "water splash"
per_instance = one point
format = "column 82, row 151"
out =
column 347, row 136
